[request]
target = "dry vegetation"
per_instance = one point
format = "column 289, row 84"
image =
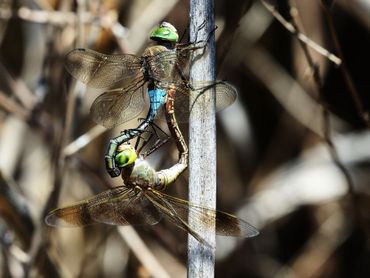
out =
column 293, row 152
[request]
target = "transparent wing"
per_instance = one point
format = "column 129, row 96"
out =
column 118, row 106
column 171, row 214
column 100, row 70
column 226, row 94
column 177, row 211
column 117, row 206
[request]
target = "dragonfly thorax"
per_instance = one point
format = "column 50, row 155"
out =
column 142, row 175
column 145, row 68
column 159, row 63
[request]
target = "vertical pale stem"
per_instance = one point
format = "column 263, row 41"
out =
column 202, row 141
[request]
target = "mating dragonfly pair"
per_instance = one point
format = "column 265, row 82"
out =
column 157, row 75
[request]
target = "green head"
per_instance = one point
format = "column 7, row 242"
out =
column 164, row 32
column 126, row 155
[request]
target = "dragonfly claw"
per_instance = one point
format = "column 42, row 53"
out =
column 110, row 165
column 115, row 172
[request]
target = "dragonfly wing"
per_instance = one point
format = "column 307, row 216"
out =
column 85, row 212
column 226, row 224
column 225, row 95
column 117, row 206
column 71, row 216
column 118, row 106
column 172, row 214
column 100, row 70
column 128, row 209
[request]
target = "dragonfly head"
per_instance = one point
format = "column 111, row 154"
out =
column 165, row 32
column 126, row 155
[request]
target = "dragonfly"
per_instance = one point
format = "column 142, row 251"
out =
column 132, row 81
column 141, row 200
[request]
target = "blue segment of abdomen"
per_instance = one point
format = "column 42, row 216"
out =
column 157, row 97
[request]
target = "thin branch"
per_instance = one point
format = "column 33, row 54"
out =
column 83, row 140
column 320, row 248
column 13, row 107
column 19, row 89
column 295, row 100
column 14, row 211
column 364, row 114
column 17, row 216
column 39, row 246
column 300, row 36
column 142, row 252
column 327, row 128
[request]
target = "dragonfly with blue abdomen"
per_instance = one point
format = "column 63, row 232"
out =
column 141, row 199
column 134, row 79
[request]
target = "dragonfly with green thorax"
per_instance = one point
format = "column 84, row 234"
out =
column 140, row 200
column 133, row 81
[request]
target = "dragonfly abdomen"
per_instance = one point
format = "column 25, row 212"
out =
column 168, row 176
column 157, row 98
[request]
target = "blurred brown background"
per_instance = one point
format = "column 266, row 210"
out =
column 275, row 144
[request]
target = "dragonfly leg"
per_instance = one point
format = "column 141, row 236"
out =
column 159, row 143
column 197, row 44
column 160, row 136
column 157, row 127
column 143, row 141
column 200, row 27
